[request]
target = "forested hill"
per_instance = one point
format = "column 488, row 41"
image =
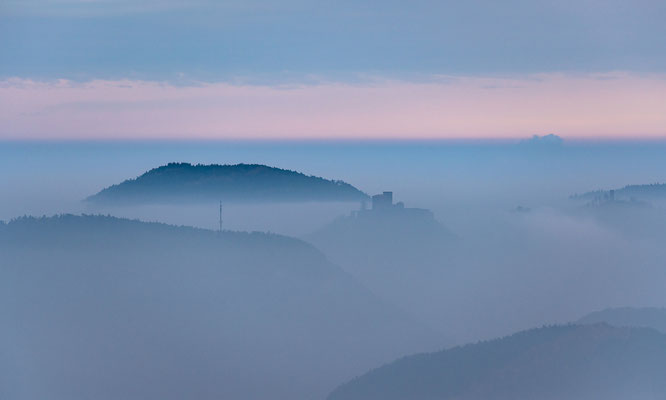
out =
column 641, row 192
column 594, row 362
column 168, row 312
column 186, row 183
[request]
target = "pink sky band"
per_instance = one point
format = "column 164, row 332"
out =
column 614, row 105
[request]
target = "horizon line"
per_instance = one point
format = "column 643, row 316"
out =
column 360, row 140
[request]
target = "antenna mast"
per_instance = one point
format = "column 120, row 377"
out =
column 220, row 230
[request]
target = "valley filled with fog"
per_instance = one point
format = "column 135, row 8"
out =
column 294, row 298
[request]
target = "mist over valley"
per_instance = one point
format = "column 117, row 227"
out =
column 317, row 200
column 300, row 293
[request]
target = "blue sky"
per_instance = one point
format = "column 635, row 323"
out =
column 293, row 39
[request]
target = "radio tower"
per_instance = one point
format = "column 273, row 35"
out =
column 220, row 230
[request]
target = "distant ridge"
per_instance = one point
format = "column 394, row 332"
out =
column 636, row 317
column 550, row 140
column 652, row 190
column 188, row 183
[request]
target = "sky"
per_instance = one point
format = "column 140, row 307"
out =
column 198, row 69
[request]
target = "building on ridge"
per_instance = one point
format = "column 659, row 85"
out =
column 383, row 207
column 382, row 201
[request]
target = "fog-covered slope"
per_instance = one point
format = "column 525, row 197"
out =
column 183, row 183
column 560, row 362
column 647, row 317
column 377, row 247
column 403, row 256
column 102, row 308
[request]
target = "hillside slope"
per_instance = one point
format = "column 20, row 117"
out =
column 403, row 258
column 103, row 308
column 560, row 362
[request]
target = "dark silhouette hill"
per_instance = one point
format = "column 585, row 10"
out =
column 559, row 362
column 95, row 307
column 645, row 317
column 185, row 183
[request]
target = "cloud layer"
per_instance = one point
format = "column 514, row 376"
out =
column 218, row 40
